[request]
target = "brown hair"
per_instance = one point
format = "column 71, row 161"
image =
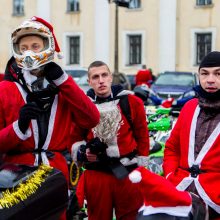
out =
column 98, row 63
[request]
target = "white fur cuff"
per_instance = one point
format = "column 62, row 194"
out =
column 19, row 133
column 75, row 148
column 61, row 79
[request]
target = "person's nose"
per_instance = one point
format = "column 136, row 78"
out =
column 211, row 78
column 101, row 79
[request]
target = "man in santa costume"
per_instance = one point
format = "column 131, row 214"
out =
column 39, row 101
column 111, row 149
column 144, row 76
column 191, row 158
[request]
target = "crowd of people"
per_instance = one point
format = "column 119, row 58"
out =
column 43, row 112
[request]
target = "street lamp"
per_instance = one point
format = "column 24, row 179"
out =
column 118, row 3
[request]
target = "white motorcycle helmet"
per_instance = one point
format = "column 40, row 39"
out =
column 30, row 60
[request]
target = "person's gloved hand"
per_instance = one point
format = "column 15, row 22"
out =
column 27, row 112
column 52, row 71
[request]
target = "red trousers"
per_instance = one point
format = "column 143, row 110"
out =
column 104, row 192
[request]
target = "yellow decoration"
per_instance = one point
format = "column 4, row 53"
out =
column 26, row 189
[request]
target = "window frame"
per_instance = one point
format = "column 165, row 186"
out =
column 194, row 34
column 202, row 43
column 203, row 2
column 18, row 4
column 73, row 6
column 125, row 48
column 135, row 2
column 133, row 47
column 66, row 42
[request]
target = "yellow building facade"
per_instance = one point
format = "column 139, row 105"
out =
column 163, row 34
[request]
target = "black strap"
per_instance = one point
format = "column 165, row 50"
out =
column 126, row 110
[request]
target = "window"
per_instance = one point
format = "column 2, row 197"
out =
column 74, row 50
column 72, row 5
column 203, row 45
column 134, row 4
column 135, row 49
column 18, row 7
column 203, row 2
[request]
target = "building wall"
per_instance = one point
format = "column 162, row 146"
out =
column 162, row 48
column 191, row 18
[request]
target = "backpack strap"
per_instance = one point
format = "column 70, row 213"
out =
column 126, row 110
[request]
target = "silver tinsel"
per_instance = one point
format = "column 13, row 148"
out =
column 110, row 122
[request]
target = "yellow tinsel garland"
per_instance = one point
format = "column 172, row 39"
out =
column 26, row 189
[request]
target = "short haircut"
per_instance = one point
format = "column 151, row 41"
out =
column 98, row 63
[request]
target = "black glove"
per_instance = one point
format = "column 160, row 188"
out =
column 81, row 154
column 96, row 146
column 52, row 71
column 27, row 112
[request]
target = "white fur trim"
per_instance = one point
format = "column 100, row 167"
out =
column 112, row 150
column 19, row 133
column 61, row 79
column 192, row 137
column 44, row 158
column 126, row 161
column 143, row 161
column 60, row 55
column 182, row 211
column 75, row 148
column 205, row 197
column 125, row 92
column 168, row 175
column 135, row 176
column 185, row 183
column 23, row 93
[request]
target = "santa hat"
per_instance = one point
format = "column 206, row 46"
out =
column 167, row 103
column 160, row 196
column 50, row 27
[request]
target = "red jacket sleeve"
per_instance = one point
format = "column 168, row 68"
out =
column 85, row 113
column 172, row 149
column 139, row 125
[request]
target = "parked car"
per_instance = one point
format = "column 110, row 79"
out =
column 177, row 85
column 83, row 83
column 76, row 73
column 132, row 80
column 121, row 78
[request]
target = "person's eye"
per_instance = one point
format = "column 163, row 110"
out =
column 104, row 74
column 95, row 77
column 203, row 73
column 23, row 49
column 36, row 46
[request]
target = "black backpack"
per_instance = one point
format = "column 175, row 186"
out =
column 126, row 109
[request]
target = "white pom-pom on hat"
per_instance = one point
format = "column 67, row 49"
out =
column 135, row 176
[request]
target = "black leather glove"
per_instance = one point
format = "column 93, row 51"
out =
column 27, row 112
column 52, row 71
column 81, row 154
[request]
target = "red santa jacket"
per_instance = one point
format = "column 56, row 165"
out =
column 143, row 77
column 70, row 105
column 179, row 157
column 124, row 140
